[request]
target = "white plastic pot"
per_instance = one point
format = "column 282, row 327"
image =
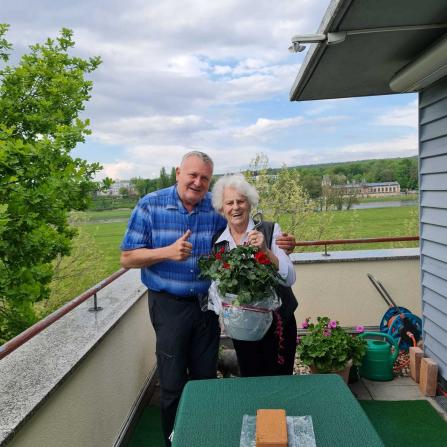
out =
column 245, row 323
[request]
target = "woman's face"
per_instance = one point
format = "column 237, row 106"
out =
column 236, row 207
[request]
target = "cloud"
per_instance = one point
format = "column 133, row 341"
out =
column 212, row 76
column 405, row 116
column 264, row 127
column 396, row 147
column 135, row 130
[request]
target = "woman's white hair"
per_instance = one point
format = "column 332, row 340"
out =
column 237, row 182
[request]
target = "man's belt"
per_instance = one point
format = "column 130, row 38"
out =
column 190, row 298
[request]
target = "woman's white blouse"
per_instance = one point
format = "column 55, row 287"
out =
column 285, row 269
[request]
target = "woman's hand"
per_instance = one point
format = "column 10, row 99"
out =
column 256, row 239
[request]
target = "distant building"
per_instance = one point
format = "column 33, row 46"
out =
column 381, row 189
column 378, row 189
column 114, row 190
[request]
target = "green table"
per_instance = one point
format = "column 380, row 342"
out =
column 210, row 411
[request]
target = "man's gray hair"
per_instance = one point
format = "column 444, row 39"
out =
column 238, row 183
column 204, row 157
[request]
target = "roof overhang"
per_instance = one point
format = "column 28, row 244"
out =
column 373, row 44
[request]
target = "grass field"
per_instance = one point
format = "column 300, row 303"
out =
column 108, row 237
column 107, row 228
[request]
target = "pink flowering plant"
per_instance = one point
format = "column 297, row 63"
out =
column 328, row 347
column 244, row 271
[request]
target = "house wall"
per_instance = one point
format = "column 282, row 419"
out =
column 337, row 286
column 78, row 382
column 433, row 216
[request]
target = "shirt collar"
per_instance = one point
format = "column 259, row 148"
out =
column 226, row 235
column 176, row 204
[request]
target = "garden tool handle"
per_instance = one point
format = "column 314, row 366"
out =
column 388, row 337
column 257, row 215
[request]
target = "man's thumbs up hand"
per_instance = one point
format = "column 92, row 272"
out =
column 181, row 249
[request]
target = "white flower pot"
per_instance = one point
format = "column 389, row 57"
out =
column 245, row 323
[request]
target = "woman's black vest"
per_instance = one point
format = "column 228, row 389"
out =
column 289, row 302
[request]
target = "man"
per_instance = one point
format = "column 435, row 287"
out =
column 167, row 232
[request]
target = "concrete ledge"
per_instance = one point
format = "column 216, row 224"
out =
column 33, row 372
column 356, row 255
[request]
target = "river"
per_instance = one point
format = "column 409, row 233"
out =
column 391, row 204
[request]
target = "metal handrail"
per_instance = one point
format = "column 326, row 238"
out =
column 20, row 339
column 23, row 337
column 354, row 241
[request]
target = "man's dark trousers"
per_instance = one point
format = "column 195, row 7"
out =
column 187, row 345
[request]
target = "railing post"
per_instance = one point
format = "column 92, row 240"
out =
column 95, row 307
column 325, row 251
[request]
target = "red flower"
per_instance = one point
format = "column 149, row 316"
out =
column 218, row 255
column 226, row 265
column 262, row 258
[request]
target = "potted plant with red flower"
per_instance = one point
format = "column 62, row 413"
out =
column 243, row 281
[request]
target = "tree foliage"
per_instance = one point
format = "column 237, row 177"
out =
column 283, row 199
column 402, row 170
column 40, row 102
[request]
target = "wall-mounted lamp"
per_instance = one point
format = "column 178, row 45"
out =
column 299, row 42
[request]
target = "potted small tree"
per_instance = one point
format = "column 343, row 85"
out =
column 328, row 348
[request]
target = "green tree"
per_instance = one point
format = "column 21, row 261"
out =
column 311, row 183
column 407, row 174
column 283, row 199
column 40, row 102
column 173, row 176
column 124, row 192
column 106, row 184
column 164, row 179
column 143, row 185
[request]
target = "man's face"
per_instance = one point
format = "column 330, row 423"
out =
column 193, row 180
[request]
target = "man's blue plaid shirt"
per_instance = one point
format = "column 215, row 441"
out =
column 158, row 220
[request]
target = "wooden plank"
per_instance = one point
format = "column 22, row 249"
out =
column 435, row 300
column 438, row 350
column 438, row 318
column 428, row 377
column 434, row 199
column 441, row 362
column 434, row 93
column 430, row 148
column 433, row 112
column 435, row 267
column 435, row 233
column 434, row 165
column 434, row 283
column 434, row 182
column 435, row 216
column 416, row 355
column 434, row 129
column 434, row 250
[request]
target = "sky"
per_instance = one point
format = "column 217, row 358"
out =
column 210, row 76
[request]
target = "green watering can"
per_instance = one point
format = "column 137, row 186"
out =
column 379, row 360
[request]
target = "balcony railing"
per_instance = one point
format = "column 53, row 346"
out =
column 103, row 360
column 29, row 333
column 354, row 241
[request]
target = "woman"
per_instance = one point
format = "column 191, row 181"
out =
column 274, row 354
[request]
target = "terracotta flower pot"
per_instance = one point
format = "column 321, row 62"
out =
column 344, row 373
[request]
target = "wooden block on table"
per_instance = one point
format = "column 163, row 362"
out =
column 428, row 377
column 416, row 355
column 271, row 428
